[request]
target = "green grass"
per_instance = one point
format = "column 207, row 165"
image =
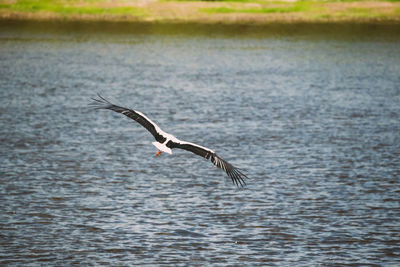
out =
column 360, row 11
column 214, row 1
column 349, row 1
column 71, row 7
column 298, row 7
column 225, row 10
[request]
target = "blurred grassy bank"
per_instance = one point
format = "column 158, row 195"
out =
column 225, row 11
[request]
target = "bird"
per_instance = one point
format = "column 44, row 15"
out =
column 165, row 142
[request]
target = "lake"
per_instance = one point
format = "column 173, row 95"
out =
column 310, row 113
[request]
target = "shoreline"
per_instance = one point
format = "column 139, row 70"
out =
column 248, row 22
column 104, row 29
column 261, row 12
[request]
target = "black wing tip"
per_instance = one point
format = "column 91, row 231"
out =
column 100, row 102
column 236, row 174
column 238, row 178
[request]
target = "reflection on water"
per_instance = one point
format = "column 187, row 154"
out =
column 312, row 118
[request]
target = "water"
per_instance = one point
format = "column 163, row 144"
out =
column 311, row 115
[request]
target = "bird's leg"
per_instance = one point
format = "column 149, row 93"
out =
column 158, row 153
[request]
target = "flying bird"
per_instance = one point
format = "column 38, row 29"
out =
column 166, row 142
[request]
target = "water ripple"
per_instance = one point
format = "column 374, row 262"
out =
column 313, row 121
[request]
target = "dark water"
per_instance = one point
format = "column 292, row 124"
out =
column 311, row 115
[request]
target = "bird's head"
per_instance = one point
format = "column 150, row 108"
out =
column 158, row 153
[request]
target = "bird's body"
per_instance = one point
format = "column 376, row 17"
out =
column 162, row 147
column 165, row 142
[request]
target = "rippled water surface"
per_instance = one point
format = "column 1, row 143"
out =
column 312, row 118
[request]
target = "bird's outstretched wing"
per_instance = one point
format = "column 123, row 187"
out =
column 234, row 173
column 102, row 103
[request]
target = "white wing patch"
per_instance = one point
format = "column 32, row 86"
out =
column 158, row 129
column 188, row 143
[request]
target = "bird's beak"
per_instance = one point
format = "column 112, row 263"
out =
column 158, row 153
